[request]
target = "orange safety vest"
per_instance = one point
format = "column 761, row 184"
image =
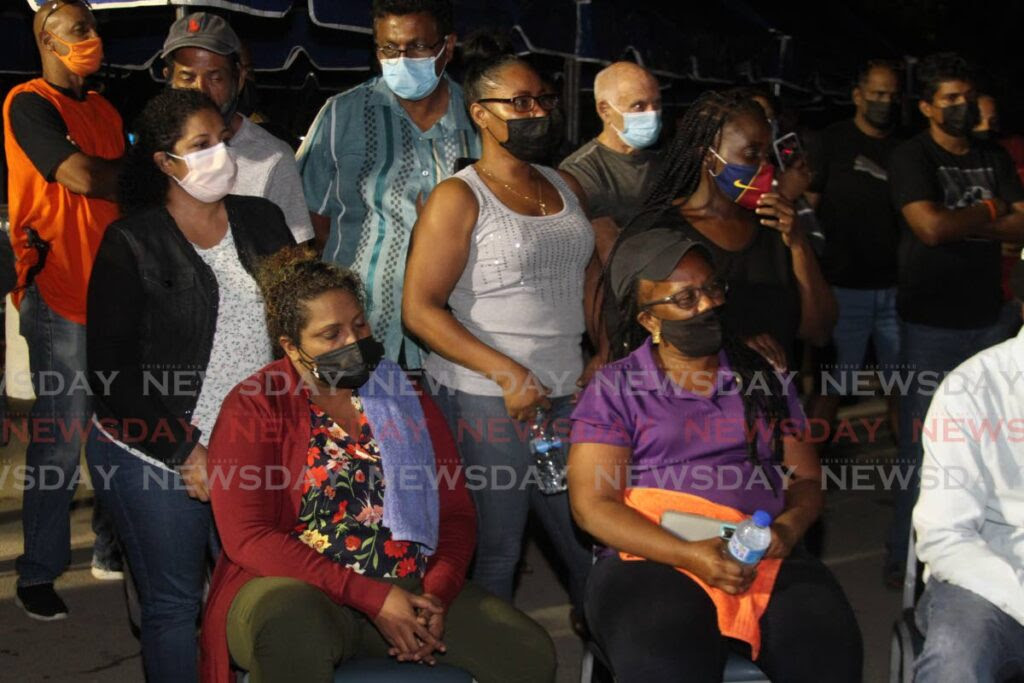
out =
column 71, row 223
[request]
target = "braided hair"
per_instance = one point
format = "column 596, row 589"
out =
column 681, row 166
column 679, row 176
column 759, row 387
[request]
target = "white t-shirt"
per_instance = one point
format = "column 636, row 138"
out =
column 266, row 168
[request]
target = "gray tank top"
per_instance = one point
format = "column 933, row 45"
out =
column 522, row 290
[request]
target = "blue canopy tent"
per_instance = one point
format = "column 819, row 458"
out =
column 316, row 45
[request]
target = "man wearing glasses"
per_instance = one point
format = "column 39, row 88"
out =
column 63, row 144
column 374, row 153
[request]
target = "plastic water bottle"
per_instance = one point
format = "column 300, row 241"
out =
column 547, row 455
column 751, row 538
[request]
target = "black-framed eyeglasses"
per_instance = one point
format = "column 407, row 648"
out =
column 525, row 103
column 688, row 298
column 59, row 4
column 414, row 51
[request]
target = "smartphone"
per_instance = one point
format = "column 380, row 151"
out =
column 691, row 527
column 788, row 150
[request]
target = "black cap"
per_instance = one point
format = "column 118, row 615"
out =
column 1017, row 278
column 651, row 255
column 205, row 31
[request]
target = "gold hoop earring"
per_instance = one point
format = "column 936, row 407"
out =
column 657, row 338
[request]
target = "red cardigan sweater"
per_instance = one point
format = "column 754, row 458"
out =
column 264, row 431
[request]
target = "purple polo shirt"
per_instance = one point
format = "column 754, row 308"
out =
column 682, row 441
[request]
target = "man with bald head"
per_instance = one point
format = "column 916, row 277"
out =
column 613, row 167
column 63, row 144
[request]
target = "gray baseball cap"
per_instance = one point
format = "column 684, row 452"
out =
column 651, row 255
column 202, row 30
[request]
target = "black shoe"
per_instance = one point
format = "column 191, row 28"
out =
column 41, row 602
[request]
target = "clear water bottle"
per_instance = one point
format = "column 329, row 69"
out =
column 751, row 538
column 547, row 455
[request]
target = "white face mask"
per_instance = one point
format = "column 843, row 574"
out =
column 211, row 173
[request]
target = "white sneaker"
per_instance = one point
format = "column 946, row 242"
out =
column 107, row 574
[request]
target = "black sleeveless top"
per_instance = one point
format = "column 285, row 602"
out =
column 763, row 295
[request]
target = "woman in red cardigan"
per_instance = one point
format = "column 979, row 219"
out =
column 343, row 510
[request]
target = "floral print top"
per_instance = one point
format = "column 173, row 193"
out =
column 342, row 507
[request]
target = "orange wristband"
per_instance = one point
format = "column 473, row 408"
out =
column 992, row 213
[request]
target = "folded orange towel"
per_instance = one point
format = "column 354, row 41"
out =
column 739, row 616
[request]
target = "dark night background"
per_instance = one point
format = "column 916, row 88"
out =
column 733, row 41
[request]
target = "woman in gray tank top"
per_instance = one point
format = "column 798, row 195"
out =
column 495, row 288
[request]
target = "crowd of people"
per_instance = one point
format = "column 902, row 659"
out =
column 306, row 371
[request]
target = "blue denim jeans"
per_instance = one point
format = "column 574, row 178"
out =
column 57, row 424
column 499, row 449
column 864, row 314
column 967, row 638
column 164, row 534
column 929, row 353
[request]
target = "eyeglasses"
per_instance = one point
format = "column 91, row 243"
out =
column 525, row 103
column 688, row 298
column 414, row 51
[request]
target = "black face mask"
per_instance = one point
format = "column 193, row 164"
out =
column 535, row 139
column 959, row 120
column 985, row 135
column 695, row 337
column 348, row 367
column 881, row 115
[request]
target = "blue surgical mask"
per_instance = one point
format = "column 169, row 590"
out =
column 640, row 129
column 411, row 78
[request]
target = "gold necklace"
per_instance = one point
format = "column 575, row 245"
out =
column 540, row 202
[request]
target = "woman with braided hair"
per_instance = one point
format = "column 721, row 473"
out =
column 715, row 184
column 693, row 420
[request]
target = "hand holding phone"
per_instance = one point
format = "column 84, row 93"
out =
column 788, row 151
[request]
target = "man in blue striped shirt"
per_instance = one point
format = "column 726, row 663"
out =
column 375, row 152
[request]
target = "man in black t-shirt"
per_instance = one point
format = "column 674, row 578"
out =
column 850, row 190
column 958, row 199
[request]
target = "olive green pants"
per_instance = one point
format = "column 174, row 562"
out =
column 283, row 630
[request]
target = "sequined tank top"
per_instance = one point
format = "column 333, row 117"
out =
column 522, row 290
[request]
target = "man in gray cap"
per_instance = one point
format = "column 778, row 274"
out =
column 201, row 52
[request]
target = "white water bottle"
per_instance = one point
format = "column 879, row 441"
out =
column 751, row 538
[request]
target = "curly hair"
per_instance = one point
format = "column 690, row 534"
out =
column 441, row 10
column 141, row 185
column 292, row 277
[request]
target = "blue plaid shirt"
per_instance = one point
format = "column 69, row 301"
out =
column 363, row 164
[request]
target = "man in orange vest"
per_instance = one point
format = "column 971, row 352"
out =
column 63, row 145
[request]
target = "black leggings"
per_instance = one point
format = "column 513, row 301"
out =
column 656, row 624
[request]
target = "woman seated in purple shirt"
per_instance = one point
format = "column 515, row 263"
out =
column 673, row 413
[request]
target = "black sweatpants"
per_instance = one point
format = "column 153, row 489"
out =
column 656, row 624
